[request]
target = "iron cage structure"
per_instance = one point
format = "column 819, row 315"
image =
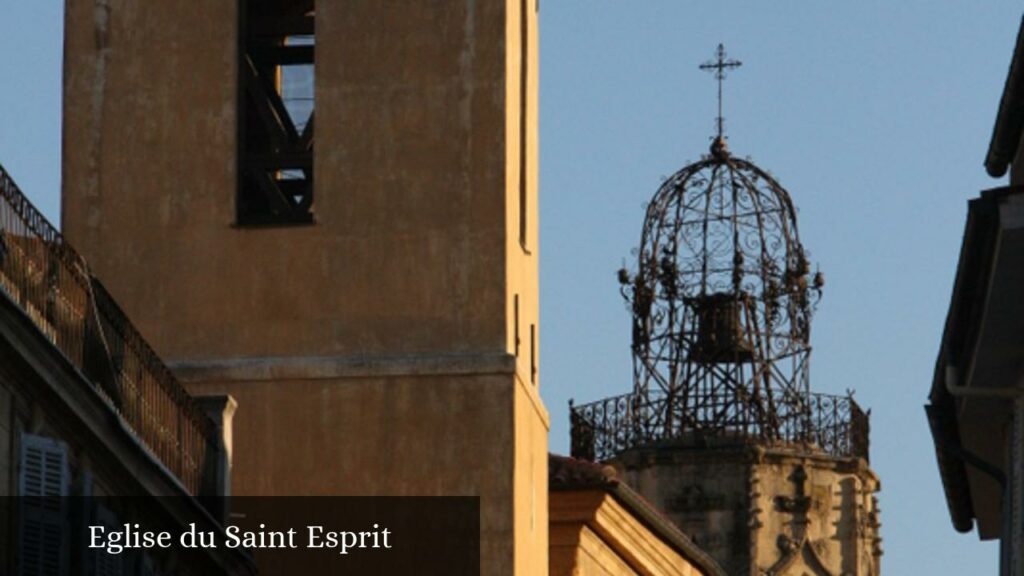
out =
column 721, row 300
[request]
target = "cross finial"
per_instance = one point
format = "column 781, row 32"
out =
column 718, row 67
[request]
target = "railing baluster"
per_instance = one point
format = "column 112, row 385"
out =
column 836, row 424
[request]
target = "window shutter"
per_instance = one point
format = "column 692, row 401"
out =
column 43, row 488
column 107, row 564
column 79, row 518
column 146, row 566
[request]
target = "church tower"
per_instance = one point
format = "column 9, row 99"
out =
column 329, row 211
column 721, row 430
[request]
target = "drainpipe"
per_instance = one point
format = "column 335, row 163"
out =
column 1015, row 486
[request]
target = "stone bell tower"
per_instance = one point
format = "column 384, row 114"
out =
column 329, row 211
column 721, row 431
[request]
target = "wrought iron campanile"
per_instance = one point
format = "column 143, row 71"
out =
column 721, row 431
column 721, row 299
column 721, row 296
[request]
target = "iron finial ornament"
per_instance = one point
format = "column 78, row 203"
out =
column 718, row 68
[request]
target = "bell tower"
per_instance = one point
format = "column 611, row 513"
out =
column 721, row 430
column 329, row 211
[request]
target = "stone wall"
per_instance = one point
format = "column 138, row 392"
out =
column 761, row 510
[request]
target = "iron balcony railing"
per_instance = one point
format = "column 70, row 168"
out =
column 835, row 425
column 51, row 283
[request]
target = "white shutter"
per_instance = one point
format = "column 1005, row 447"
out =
column 42, row 488
column 105, row 564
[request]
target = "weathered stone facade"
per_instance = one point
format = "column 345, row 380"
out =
column 765, row 511
column 89, row 437
column 601, row 527
column 388, row 346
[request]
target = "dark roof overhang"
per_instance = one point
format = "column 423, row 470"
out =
column 1010, row 118
column 979, row 350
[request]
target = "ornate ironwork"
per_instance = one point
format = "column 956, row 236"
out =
column 835, row 425
column 50, row 282
column 722, row 298
column 720, row 65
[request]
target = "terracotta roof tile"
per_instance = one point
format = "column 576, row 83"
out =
column 567, row 473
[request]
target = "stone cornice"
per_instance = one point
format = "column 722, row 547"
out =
column 343, row 366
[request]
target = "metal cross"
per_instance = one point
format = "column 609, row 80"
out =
column 719, row 67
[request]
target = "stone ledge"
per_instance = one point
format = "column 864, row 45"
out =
column 336, row 367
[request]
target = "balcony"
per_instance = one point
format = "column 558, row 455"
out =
column 833, row 425
column 51, row 283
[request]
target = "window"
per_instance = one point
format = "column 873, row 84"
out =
column 43, row 482
column 104, row 564
column 275, row 126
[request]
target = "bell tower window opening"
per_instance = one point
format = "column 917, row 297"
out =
column 276, row 113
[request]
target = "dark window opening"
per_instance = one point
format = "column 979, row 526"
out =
column 515, row 312
column 524, row 75
column 533, row 353
column 275, row 128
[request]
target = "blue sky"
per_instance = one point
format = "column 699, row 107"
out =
column 874, row 115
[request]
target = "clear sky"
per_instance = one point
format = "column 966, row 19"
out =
column 874, row 115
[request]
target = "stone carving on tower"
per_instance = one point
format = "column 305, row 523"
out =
column 721, row 430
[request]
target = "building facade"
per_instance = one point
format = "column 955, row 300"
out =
column 329, row 212
column 94, row 431
column 600, row 526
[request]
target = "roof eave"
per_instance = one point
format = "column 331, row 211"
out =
column 941, row 410
column 567, row 474
column 1010, row 119
column 662, row 526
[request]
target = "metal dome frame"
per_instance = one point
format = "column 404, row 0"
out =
column 721, row 301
